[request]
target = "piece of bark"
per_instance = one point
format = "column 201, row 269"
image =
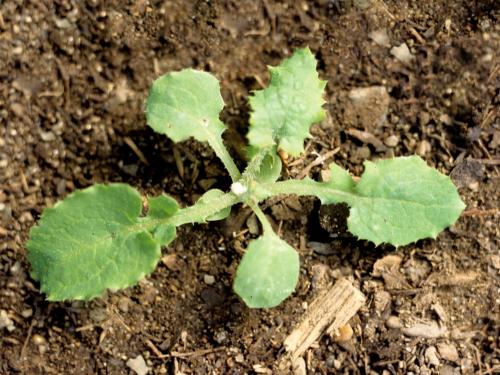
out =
column 328, row 312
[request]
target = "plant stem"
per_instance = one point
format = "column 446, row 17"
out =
column 221, row 151
column 306, row 187
column 198, row 212
column 254, row 165
column 266, row 225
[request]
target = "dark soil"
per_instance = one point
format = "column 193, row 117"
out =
column 74, row 76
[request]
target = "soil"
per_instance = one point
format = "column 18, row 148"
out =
column 74, row 76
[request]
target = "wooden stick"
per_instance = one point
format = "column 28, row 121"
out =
column 328, row 312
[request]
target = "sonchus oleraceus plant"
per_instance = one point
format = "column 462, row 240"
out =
column 97, row 238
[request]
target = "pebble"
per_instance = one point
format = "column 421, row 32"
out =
column 239, row 358
column 391, row 141
column 208, row 279
column 138, row 365
column 448, row 351
column 382, row 300
column 299, row 367
column 345, row 333
column 423, row 148
column 38, row 339
column 123, row 304
column 431, row 356
column 6, row 322
column 380, row 37
column 47, row 136
column 27, row 313
column 393, row 322
column 402, row 53
column 428, row 331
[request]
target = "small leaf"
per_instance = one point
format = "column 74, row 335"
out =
column 268, row 272
column 212, row 195
column 399, row 201
column 186, row 104
column 283, row 112
column 91, row 241
column 340, row 178
column 270, row 168
column 162, row 206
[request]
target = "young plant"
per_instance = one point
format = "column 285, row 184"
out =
column 98, row 239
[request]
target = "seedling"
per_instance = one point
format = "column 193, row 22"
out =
column 97, row 238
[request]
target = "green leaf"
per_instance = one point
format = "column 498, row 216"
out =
column 270, row 168
column 162, row 206
column 268, row 272
column 186, row 104
column 91, row 241
column 399, row 201
column 211, row 196
column 164, row 234
column 283, row 112
column 340, row 179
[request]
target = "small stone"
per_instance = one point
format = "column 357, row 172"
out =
column 47, row 136
column 380, row 37
column 239, row 358
column 98, row 314
column 431, row 356
column 220, row 337
column 448, row 351
column 393, row 322
column 367, row 107
column 27, row 313
column 391, row 141
column 423, row 148
column 171, row 262
column 428, row 331
column 382, row 300
column 345, row 333
column 402, row 53
column 6, row 322
column 299, row 367
column 38, row 339
column 123, row 304
column 208, row 279
column 138, row 365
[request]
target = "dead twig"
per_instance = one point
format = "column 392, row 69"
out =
column 319, row 160
column 130, row 143
column 328, row 312
column 25, row 344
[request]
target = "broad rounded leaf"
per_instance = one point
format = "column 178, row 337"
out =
column 91, row 241
column 268, row 272
column 212, row 195
column 186, row 104
column 283, row 112
column 399, row 201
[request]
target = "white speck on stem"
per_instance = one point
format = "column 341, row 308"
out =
column 238, row 189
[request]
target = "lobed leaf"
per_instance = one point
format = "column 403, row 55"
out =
column 268, row 272
column 186, row 104
column 94, row 240
column 283, row 112
column 397, row 201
